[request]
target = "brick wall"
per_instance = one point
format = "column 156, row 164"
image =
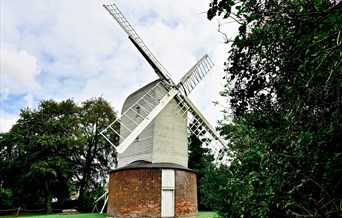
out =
column 137, row 193
column 134, row 193
column 186, row 194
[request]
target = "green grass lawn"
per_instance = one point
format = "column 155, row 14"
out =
column 205, row 214
column 96, row 215
column 80, row 215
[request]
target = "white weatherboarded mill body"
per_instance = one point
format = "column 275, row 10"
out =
column 165, row 137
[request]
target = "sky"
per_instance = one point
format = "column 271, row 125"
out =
column 74, row 49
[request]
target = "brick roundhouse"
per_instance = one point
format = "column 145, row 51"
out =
column 143, row 189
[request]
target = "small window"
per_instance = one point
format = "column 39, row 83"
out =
column 138, row 111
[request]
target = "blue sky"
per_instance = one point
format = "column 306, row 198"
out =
column 74, row 49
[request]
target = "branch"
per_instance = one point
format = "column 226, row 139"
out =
column 226, row 39
column 319, row 186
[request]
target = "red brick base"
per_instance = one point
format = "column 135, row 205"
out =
column 136, row 191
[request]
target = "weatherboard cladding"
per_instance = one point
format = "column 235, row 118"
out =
column 163, row 140
column 141, row 149
column 170, row 137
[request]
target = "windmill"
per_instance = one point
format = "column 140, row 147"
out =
column 154, row 135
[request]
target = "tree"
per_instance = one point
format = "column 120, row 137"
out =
column 55, row 150
column 284, row 80
column 38, row 150
column 97, row 156
column 215, row 190
column 199, row 159
column 6, row 162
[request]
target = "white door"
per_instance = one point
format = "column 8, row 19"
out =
column 168, row 193
column 168, row 203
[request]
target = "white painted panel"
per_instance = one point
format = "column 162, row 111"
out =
column 170, row 141
column 168, row 188
column 168, row 203
column 168, row 179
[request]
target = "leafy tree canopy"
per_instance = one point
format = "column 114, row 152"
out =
column 55, row 150
column 284, row 79
column 97, row 156
column 199, row 159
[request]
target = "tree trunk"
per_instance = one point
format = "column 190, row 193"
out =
column 86, row 179
column 48, row 204
column 48, row 198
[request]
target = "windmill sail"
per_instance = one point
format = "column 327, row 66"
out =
column 189, row 81
column 137, row 41
column 190, row 114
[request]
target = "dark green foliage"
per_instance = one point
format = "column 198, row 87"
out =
column 6, row 201
column 54, row 151
column 39, row 148
column 199, row 159
column 97, row 156
column 214, row 189
column 284, row 80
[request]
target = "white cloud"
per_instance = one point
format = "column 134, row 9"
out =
column 29, row 100
column 18, row 69
column 74, row 49
column 7, row 120
column 4, row 92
